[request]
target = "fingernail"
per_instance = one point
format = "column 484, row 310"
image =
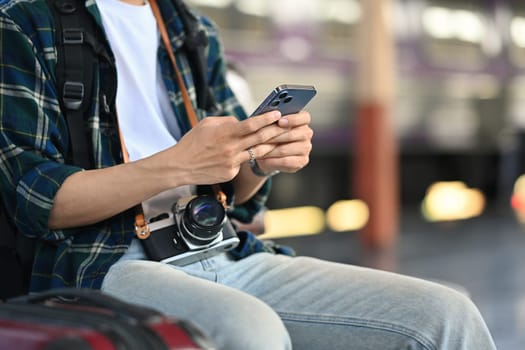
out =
column 276, row 114
column 283, row 122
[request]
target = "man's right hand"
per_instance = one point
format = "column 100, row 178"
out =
column 213, row 151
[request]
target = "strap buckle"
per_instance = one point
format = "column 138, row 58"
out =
column 73, row 36
column 142, row 230
column 73, row 94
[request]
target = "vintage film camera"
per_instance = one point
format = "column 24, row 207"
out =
column 197, row 227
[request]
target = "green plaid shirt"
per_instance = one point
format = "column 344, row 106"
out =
column 34, row 141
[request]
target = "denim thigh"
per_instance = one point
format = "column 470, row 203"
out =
column 338, row 306
column 244, row 304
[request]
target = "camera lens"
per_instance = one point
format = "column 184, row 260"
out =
column 206, row 211
column 203, row 219
column 283, row 94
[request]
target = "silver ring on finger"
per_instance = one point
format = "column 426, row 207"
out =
column 252, row 156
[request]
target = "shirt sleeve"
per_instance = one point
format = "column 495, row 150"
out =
column 229, row 105
column 33, row 132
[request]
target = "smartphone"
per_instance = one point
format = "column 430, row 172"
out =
column 288, row 99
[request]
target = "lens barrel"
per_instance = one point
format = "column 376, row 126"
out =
column 202, row 220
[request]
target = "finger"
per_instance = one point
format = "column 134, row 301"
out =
column 285, row 164
column 253, row 124
column 301, row 133
column 257, row 152
column 298, row 149
column 295, row 120
column 261, row 136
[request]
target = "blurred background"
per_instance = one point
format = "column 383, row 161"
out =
column 419, row 139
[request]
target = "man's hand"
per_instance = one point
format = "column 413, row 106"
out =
column 213, row 151
column 292, row 148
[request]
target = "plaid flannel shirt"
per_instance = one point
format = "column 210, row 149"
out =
column 34, row 141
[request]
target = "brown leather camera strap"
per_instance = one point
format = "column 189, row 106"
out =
column 142, row 230
column 141, row 226
column 192, row 116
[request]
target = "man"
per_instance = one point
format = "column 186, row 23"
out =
column 83, row 219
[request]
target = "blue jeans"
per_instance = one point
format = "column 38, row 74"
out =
column 276, row 302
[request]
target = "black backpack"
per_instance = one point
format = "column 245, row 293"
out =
column 80, row 47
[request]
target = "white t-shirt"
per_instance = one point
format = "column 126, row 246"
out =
column 144, row 111
column 146, row 119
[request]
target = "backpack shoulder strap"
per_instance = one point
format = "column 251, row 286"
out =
column 79, row 49
column 195, row 43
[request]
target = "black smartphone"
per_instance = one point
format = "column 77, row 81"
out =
column 288, row 99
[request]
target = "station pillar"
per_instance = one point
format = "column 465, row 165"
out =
column 375, row 162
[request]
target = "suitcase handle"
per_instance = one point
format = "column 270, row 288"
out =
column 92, row 298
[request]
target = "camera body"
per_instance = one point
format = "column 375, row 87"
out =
column 196, row 227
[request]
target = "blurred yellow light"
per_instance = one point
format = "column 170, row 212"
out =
column 437, row 22
column 519, row 185
column 469, row 26
column 343, row 11
column 518, row 199
column 448, row 201
column 446, row 23
column 348, row 215
column 517, row 31
column 298, row 221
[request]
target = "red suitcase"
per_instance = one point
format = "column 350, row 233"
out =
column 87, row 319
